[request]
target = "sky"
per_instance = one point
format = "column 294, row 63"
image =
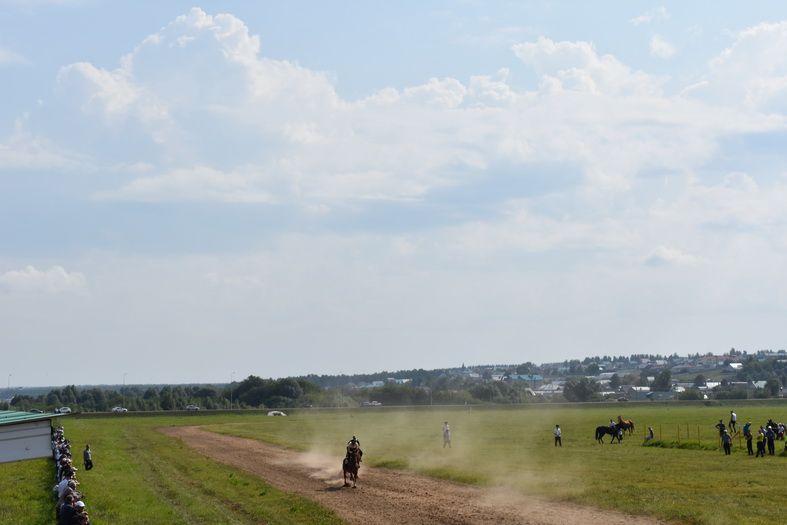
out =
column 195, row 192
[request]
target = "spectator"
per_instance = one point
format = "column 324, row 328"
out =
column 721, row 427
column 748, row 437
column 649, row 436
column 558, row 436
column 727, row 441
column 733, row 421
column 446, row 435
column 81, row 517
column 760, row 443
column 68, row 512
column 87, row 455
column 770, row 435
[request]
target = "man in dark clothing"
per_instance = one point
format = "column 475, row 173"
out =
column 87, row 455
column 748, row 437
column 721, row 427
column 67, row 512
column 727, row 441
column 770, row 435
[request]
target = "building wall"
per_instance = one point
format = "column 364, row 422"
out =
column 25, row 441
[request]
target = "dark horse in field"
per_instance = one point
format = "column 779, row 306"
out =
column 626, row 424
column 350, row 466
column 615, row 432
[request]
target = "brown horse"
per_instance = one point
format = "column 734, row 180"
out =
column 350, row 465
column 626, row 424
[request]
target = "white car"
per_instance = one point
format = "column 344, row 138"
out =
column 276, row 413
column 63, row 410
column 192, row 407
column 119, row 410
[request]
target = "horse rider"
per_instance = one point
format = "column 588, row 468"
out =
column 354, row 445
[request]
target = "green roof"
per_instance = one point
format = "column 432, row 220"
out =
column 11, row 417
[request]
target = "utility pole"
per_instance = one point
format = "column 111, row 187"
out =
column 232, row 378
column 124, row 388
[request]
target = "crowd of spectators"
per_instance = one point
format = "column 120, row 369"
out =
column 70, row 509
column 766, row 436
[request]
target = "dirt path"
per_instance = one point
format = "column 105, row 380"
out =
column 386, row 496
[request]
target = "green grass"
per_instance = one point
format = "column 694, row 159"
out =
column 687, row 478
column 143, row 476
column 26, row 492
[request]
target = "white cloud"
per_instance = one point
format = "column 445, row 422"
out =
column 199, row 183
column 665, row 256
column 657, row 14
column 9, row 57
column 661, row 48
column 227, row 124
column 31, row 280
column 25, row 150
column 752, row 72
column 578, row 66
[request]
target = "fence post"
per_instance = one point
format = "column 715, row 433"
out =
column 659, row 432
column 699, row 441
column 678, row 434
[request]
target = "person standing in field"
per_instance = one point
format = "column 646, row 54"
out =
column 558, row 436
column 770, row 435
column 649, row 436
column 446, row 435
column 721, row 427
column 87, row 456
column 727, row 442
column 748, row 436
column 760, row 443
column 733, row 421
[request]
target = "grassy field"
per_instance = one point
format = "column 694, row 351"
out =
column 142, row 476
column 514, row 447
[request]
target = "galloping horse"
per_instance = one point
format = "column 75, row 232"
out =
column 626, row 424
column 614, row 432
column 350, row 465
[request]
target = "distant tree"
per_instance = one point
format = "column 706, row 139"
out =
column 592, row 369
column 690, row 394
column 580, row 389
column 614, row 382
column 663, row 381
column 630, row 379
column 700, row 380
column 772, row 386
column 525, row 368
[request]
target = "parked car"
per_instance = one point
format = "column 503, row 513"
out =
column 276, row 413
column 119, row 410
column 192, row 407
column 36, row 411
column 63, row 410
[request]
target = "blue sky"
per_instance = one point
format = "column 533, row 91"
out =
column 190, row 190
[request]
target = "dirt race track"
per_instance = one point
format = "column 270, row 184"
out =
column 387, row 496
